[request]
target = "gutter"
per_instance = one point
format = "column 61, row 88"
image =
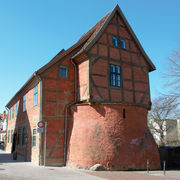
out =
column 66, row 112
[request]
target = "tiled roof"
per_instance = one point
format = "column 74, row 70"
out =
column 93, row 31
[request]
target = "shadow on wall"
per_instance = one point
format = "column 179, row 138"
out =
column 70, row 126
column 100, row 110
column 22, row 136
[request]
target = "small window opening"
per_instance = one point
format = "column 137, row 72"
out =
column 115, row 41
column 63, row 72
column 123, row 43
column 124, row 113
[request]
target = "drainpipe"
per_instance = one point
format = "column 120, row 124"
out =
column 40, row 112
column 75, row 74
column 66, row 112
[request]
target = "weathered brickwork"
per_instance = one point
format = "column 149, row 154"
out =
column 108, row 137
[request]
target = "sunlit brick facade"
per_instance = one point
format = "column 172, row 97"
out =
column 94, row 98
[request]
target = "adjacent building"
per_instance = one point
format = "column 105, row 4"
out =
column 166, row 132
column 173, row 132
column 3, row 126
column 94, row 98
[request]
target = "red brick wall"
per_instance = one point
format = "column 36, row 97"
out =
column 101, row 134
column 57, row 93
column 29, row 120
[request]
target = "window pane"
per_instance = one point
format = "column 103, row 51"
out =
column 113, row 79
column 115, row 41
column 34, row 131
column 34, row 138
column 118, row 80
column 118, row 69
column 123, row 43
column 24, row 103
column 16, row 109
column 35, row 89
column 9, row 114
column 12, row 113
column 112, row 68
column 63, row 72
column 35, row 95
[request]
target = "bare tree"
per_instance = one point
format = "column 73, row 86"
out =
column 174, row 72
column 163, row 108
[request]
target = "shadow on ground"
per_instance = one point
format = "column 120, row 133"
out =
column 8, row 158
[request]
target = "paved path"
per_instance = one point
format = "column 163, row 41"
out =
column 142, row 175
column 20, row 170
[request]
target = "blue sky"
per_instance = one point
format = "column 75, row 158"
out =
column 33, row 32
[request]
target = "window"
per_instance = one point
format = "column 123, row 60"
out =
column 8, row 135
column 35, row 95
column 24, row 136
column 115, row 41
column 123, row 43
column 19, row 136
column 24, row 103
column 34, row 138
column 16, row 109
column 124, row 114
column 12, row 112
column 11, row 136
column 63, row 72
column 115, row 75
column 119, row 42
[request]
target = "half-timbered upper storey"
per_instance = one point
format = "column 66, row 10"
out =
column 112, row 65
